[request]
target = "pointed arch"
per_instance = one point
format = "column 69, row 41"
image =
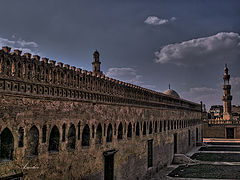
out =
column 125, row 128
column 150, row 127
column 144, row 128
column 33, row 141
column 109, row 133
column 71, row 138
column 93, row 131
column 6, row 145
column 19, row 69
column 54, row 139
column 63, row 132
column 137, row 129
column 99, row 134
column 155, row 127
column 104, row 133
column 129, row 132
column 44, row 133
column 189, row 137
column 115, row 129
column 120, row 131
column 86, row 136
column 7, row 67
column 20, row 137
column 78, row 130
column 197, row 135
column 160, row 126
column 164, row 125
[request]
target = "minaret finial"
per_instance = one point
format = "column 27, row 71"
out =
column 227, row 98
column 96, row 63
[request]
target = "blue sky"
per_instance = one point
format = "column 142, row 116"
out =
column 150, row 43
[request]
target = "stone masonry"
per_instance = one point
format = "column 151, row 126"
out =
column 62, row 122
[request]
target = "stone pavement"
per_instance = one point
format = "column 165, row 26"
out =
column 163, row 174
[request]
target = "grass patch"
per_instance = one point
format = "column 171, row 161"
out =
column 222, row 143
column 219, row 149
column 207, row 171
column 217, row 157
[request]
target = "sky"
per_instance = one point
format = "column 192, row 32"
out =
column 150, row 43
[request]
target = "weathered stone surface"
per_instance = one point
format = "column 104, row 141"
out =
column 73, row 110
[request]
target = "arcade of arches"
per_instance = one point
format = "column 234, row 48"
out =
column 69, row 136
column 7, row 140
column 62, row 122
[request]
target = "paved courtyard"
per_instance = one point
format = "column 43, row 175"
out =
column 217, row 159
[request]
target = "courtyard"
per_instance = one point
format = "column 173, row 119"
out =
column 216, row 159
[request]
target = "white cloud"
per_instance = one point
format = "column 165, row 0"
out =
column 201, row 91
column 220, row 48
column 154, row 20
column 128, row 75
column 235, row 82
column 209, row 96
column 25, row 46
column 24, row 43
column 212, row 96
column 125, row 74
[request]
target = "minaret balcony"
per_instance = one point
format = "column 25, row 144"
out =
column 96, row 62
column 227, row 98
column 226, row 77
column 226, row 87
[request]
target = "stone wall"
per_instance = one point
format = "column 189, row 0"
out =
column 131, row 158
column 213, row 131
column 219, row 131
column 62, row 125
column 23, row 74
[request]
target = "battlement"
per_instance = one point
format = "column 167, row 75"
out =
column 43, row 77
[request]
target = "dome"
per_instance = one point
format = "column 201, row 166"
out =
column 171, row 92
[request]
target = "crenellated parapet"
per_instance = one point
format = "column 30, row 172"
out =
column 32, row 75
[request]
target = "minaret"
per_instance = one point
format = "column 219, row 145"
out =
column 227, row 98
column 96, row 63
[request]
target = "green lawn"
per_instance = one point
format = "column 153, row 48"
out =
column 219, row 149
column 207, row 171
column 217, row 157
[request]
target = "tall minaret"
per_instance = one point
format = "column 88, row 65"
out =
column 96, row 63
column 227, row 98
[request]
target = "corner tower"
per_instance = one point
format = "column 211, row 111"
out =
column 227, row 98
column 96, row 63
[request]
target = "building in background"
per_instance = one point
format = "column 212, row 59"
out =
column 216, row 112
column 223, row 121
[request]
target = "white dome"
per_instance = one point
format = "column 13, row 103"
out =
column 171, row 92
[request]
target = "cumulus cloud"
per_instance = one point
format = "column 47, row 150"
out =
column 209, row 96
column 154, row 20
column 235, row 82
column 25, row 46
column 201, row 91
column 212, row 96
column 128, row 75
column 220, row 48
column 125, row 74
